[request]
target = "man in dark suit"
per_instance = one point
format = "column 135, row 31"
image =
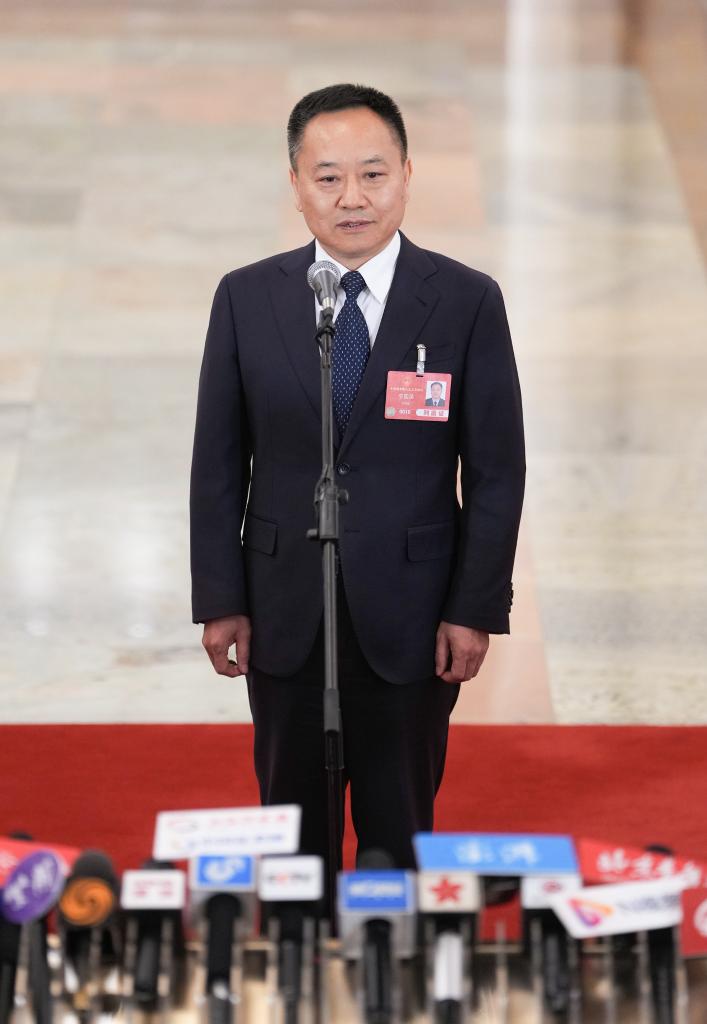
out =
column 435, row 398
column 413, row 630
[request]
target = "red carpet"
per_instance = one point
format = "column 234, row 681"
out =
column 101, row 785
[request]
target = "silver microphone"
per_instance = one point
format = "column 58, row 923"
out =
column 324, row 276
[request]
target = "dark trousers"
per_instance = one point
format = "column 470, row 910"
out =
column 395, row 742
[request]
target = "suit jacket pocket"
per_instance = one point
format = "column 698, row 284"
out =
column 435, row 356
column 435, row 353
column 259, row 534
column 436, row 540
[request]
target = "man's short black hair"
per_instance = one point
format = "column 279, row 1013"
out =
column 343, row 97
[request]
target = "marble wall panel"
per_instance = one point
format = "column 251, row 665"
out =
column 557, row 146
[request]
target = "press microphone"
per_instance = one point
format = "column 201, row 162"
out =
column 377, row 953
column 153, row 899
column 29, row 893
column 377, row 920
column 546, row 936
column 223, row 893
column 85, row 913
column 9, row 955
column 290, row 891
column 450, row 901
column 662, row 956
column 323, row 277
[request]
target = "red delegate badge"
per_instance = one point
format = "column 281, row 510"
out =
column 412, row 396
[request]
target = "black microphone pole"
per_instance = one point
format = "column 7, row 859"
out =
column 328, row 498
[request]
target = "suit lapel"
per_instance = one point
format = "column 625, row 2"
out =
column 409, row 304
column 293, row 303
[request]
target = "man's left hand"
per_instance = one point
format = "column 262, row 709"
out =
column 467, row 647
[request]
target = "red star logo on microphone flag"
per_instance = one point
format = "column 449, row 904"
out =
column 452, row 892
column 446, row 890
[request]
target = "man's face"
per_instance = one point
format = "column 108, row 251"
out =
column 436, row 391
column 351, row 183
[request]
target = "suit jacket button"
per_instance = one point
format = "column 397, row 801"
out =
column 343, row 468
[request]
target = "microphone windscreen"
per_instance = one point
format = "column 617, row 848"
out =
column 500, row 889
column 91, row 891
column 374, row 860
column 222, row 909
column 147, row 962
column 96, row 864
column 291, row 918
column 665, row 851
column 321, row 267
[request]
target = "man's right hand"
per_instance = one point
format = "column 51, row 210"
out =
column 218, row 636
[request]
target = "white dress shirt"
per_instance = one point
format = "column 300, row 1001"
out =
column 378, row 275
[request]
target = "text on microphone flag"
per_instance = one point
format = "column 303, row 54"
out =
column 33, row 887
column 606, row 862
column 496, row 853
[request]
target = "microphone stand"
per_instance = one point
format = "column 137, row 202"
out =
column 328, row 498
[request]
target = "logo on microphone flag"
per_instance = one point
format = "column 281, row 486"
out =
column 536, row 892
column 33, row 887
column 590, row 914
column 620, row 908
column 291, row 878
column 222, row 874
column 227, row 831
column 369, row 891
column 446, row 891
column 455, row 892
column 153, row 889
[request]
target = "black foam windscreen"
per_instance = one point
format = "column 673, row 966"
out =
column 374, row 860
column 222, row 909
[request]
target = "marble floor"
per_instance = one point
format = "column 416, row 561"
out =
column 560, row 146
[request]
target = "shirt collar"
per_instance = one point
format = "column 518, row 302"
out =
column 376, row 272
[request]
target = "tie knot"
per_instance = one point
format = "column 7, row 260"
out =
column 353, row 284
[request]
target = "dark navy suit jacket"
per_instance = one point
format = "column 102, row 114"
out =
column 410, row 554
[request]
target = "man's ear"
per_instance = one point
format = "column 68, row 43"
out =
column 407, row 174
column 295, row 189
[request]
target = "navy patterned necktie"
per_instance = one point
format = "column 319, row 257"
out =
column 351, row 349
